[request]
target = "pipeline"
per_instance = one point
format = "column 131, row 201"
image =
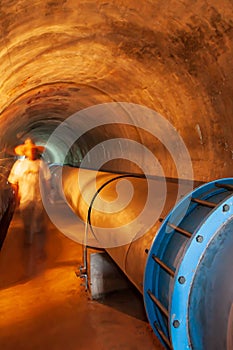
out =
column 115, row 229
column 182, row 264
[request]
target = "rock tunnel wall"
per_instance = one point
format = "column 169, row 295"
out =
column 174, row 57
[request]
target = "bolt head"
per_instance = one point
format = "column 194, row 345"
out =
column 225, row 208
column 176, row 323
column 181, row 280
column 199, row 239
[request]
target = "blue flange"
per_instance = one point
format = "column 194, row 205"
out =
column 178, row 257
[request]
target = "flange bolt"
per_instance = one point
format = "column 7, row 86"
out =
column 181, row 279
column 176, row 324
column 225, row 208
column 199, row 239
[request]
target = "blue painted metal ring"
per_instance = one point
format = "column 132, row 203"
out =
column 167, row 296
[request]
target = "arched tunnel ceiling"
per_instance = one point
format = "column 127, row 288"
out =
column 175, row 57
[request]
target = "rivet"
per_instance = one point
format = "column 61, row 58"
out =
column 225, row 208
column 199, row 239
column 176, row 324
column 181, row 280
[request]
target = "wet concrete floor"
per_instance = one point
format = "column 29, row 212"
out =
column 44, row 306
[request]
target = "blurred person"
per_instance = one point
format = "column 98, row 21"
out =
column 25, row 177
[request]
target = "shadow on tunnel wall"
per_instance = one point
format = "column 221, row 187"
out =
column 7, row 207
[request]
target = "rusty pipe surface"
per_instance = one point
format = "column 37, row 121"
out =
column 121, row 218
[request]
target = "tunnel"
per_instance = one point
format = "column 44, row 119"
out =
column 124, row 87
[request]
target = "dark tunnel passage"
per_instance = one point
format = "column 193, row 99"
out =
column 143, row 88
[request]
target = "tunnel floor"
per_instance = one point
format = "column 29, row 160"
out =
column 44, row 306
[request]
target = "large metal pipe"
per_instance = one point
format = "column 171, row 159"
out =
column 115, row 224
column 186, row 276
